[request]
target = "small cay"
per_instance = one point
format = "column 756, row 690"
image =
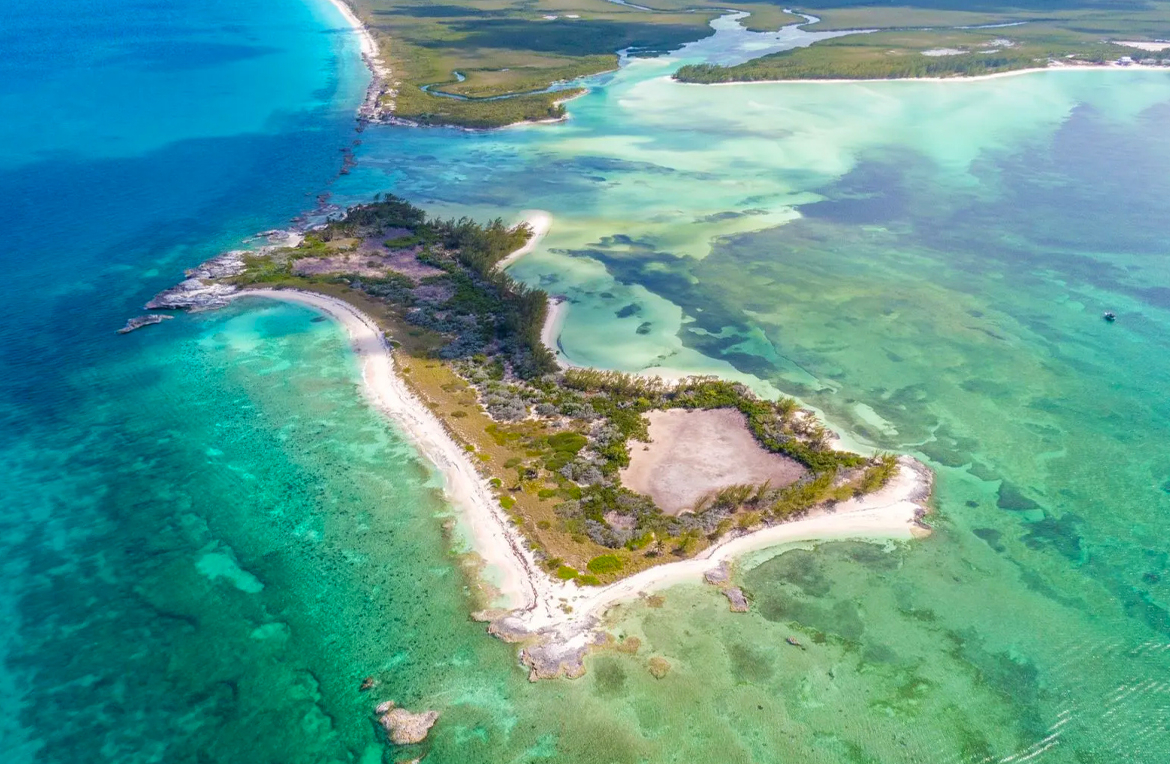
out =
column 562, row 459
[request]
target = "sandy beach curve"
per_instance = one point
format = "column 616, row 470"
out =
column 530, row 600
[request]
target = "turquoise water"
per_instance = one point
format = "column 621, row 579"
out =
column 185, row 576
column 210, row 539
column 927, row 263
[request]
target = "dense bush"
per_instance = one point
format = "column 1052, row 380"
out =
column 606, row 563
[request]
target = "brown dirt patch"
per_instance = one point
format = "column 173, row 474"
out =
column 372, row 260
column 696, row 453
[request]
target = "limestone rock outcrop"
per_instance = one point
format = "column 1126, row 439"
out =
column 404, row 727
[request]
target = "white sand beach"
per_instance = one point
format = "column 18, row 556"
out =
column 536, row 597
column 369, row 46
column 539, row 221
column 1055, row 67
column 537, row 601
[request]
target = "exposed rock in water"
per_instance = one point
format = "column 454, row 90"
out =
column 658, row 666
column 505, row 629
column 552, row 659
column 140, row 321
column 404, row 727
column 552, row 652
column 194, row 293
column 718, row 576
column 739, row 603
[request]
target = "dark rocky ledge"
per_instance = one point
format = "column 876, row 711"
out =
column 140, row 321
column 194, row 293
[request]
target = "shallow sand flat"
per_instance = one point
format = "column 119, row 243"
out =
column 696, row 453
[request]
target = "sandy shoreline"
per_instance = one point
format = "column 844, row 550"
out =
column 536, row 599
column 957, row 78
column 494, row 538
column 539, row 221
column 531, row 601
column 371, row 109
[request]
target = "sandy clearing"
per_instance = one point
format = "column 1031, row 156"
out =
column 1152, row 47
column 693, row 454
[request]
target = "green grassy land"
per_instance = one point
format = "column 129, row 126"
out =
column 551, row 443
column 1084, row 33
column 505, row 47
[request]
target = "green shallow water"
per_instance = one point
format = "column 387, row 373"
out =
column 927, row 264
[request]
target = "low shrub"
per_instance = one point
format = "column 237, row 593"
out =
column 606, row 563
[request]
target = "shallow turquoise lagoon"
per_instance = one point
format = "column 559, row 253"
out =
column 209, row 539
column 927, row 263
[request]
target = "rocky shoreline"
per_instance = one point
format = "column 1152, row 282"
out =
column 194, row 293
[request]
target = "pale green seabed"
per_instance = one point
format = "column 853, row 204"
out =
column 939, row 292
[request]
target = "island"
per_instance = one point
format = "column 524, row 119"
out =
column 580, row 487
column 919, row 39
column 482, row 65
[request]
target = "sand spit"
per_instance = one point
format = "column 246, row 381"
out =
column 539, row 221
column 557, row 621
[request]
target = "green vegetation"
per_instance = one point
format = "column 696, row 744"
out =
column 605, row 563
column 488, row 63
column 550, row 443
column 511, row 48
column 1084, row 33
